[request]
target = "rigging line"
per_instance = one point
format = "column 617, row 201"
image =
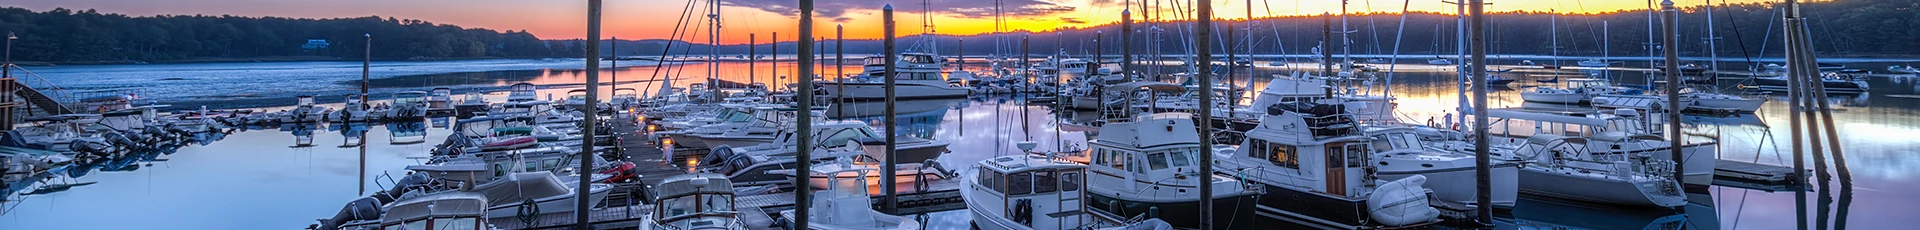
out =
column 1279, row 45
column 1391, row 63
column 674, row 36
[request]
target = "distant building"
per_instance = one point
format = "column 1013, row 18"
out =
column 315, row 44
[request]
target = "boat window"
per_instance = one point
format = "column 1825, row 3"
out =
column 1256, row 149
column 716, row 203
column 532, row 166
column 1019, row 184
column 1069, row 181
column 1157, row 160
column 416, row 224
column 1382, row 141
column 876, row 60
column 1044, row 182
column 1099, row 158
column 550, row 163
column 1283, row 156
column 839, row 139
column 916, row 59
column 499, row 169
column 1356, row 155
column 997, row 185
column 1182, row 157
column 1119, row 160
column 456, row 223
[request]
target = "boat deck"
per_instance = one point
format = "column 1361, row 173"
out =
column 625, row 208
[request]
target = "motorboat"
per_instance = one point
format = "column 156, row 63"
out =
column 917, row 76
column 1578, row 91
column 1834, row 82
column 1401, row 152
column 523, row 91
column 625, row 98
column 451, row 210
column 1149, row 165
column 1028, row 192
column 408, row 106
column 1562, row 167
column 61, row 133
column 762, row 164
column 1316, row 165
column 473, row 104
column 1718, row 101
column 576, row 100
column 304, row 111
column 842, row 202
column 1619, row 133
column 542, row 190
column 354, row 110
column 1903, row 70
column 694, row 201
column 440, row 101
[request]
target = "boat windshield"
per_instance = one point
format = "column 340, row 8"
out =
column 689, row 205
column 1393, row 141
column 1623, row 125
column 917, row 59
column 1595, row 83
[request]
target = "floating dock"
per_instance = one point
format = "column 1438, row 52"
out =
column 1758, row 174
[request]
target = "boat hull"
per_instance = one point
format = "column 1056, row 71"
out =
column 1592, row 188
column 1742, row 105
column 1780, row 84
column 596, row 194
column 1556, row 98
column 1229, row 212
column 1461, row 185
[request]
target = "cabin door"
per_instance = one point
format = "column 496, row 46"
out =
column 1336, row 170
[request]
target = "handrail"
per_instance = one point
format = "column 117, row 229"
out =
column 58, row 95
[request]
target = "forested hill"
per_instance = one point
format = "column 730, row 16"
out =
column 68, row 36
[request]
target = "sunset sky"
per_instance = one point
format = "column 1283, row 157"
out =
column 646, row 19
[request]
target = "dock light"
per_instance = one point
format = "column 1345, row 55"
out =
column 692, row 163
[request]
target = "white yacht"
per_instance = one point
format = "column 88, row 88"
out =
column 694, row 201
column 452, row 210
column 918, row 76
column 1621, row 132
column 1315, row 163
column 355, row 109
column 1563, row 167
column 303, row 111
column 1401, row 152
column 843, row 203
column 407, row 106
column 1150, row 166
column 522, row 92
column 440, row 101
column 474, row 103
column 1578, row 91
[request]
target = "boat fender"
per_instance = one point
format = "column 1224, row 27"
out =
column 1401, row 202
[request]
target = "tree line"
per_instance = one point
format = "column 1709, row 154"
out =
column 63, row 35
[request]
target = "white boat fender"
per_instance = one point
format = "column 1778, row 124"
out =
column 1401, row 202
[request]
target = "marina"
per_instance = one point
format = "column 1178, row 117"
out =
column 921, row 136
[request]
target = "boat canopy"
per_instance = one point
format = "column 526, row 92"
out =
column 687, row 184
column 524, row 186
column 451, row 204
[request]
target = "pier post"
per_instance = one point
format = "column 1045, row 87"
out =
column 1674, row 138
column 1126, row 42
column 1795, row 69
column 366, row 69
column 589, row 127
column 839, row 67
column 1482, row 172
column 804, row 119
column 1203, row 34
column 752, row 56
column 1326, row 47
column 890, row 205
column 6, row 71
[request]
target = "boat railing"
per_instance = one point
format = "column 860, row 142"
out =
column 46, row 88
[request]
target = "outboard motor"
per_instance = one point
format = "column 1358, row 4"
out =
column 121, row 139
column 365, row 208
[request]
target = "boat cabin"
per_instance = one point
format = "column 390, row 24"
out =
column 1031, row 191
column 410, row 98
column 1318, row 147
column 695, row 201
column 522, row 92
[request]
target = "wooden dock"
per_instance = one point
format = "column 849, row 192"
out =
column 627, row 207
column 1751, row 172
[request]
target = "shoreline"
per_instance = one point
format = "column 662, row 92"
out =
column 253, row 60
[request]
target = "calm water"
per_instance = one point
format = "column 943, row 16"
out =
column 257, row 180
